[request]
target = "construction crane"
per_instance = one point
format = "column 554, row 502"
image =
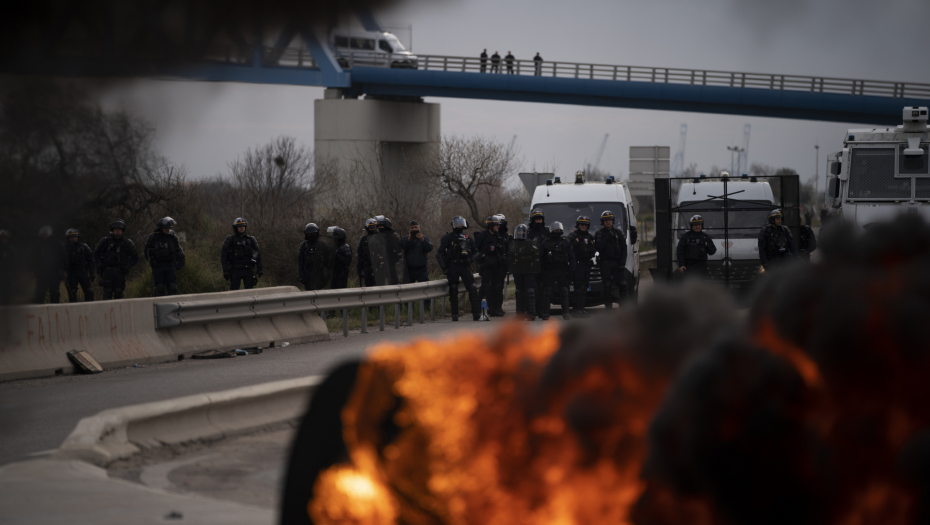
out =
column 600, row 153
column 678, row 163
column 744, row 154
column 512, row 142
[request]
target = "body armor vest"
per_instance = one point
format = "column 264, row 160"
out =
column 115, row 254
column 695, row 250
column 458, row 250
column 162, row 251
column 310, row 253
column 76, row 256
column 558, row 255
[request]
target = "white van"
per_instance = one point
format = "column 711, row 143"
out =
column 565, row 202
column 370, row 48
column 749, row 202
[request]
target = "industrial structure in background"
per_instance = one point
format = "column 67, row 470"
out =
column 678, row 163
column 647, row 163
column 590, row 170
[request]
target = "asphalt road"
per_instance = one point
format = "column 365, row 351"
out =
column 37, row 415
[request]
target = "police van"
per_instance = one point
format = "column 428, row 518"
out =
column 882, row 172
column 564, row 202
column 370, row 48
column 749, row 201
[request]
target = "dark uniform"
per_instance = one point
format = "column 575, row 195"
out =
column 505, row 239
column 776, row 244
column 807, row 242
column 583, row 247
column 558, row 262
column 526, row 264
column 342, row 259
column 309, row 254
column 415, row 252
column 80, row 267
column 538, row 232
column 365, row 277
column 456, row 253
column 241, row 259
column 693, row 249
column 9, row 268
column 612, row 252
column 49, row 263
column 491, row 260
column 115, row 256
column 165, row 256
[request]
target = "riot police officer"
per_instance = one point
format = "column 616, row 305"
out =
column 525, row 264
column 776, row 245
column 115, row 256
column 583, row 246
column 491, row 265
column 693, row 248
column 416, row 246
column 310, row 259
column 558, row 262
column 611, row 246
column 165, row 256
column 342, row 258
column 80, row 267
column 9, row 267
column 505, row 239
column 240, row 257
column 807, row 241
column 365, row 277
column 49, row 264
column 537, row 230
column 456, row 253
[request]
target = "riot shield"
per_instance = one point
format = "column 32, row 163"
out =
column 321, row 267
column 387, row 259
column 524, row 257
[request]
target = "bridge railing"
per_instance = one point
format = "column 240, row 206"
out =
column 293, row 57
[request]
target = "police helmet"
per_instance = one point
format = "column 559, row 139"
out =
column 371, row 222
column 520, row 232
column 72, row 233
column 387, row 224
column 311, row 228
column 583, row 220
column 239, row 222
column 45, row 231
column 492, row 221
column 118, row 223
column 166, row 222
column 775, row 214
column 697, row 219
column 500, row 217
column 537, row 214
column 459, row 222
column 607, row 216
column 336, row 232
column 556, row 227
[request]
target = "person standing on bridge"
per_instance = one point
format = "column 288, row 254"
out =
column 456, row 253
column 115, row 256
column 484, row 61
column 693, row 249
column 49, row 264
column 80, row 267
column 495, row 63
column 241, row 260
column 165, row 256
column 365, row 277
column 537, row 63
column 509, row 59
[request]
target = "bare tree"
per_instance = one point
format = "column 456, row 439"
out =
column 472, row 169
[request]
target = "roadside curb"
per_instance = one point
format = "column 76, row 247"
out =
column 121, row 432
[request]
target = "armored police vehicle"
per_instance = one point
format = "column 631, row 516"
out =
column 748, row 203
column 565, row 202
column 882, row 172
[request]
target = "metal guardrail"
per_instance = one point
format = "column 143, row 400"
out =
column 169, row 315
column 292, row 57
column 645, row 257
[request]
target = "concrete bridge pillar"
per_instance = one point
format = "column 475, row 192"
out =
column 372, row 137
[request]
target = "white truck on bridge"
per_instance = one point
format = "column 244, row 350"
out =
column 882, row 172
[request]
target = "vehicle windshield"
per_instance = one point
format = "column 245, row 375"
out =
column 394, row 42
column 745, row 218
column 568, row 212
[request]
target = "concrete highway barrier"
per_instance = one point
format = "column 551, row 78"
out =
column 121, row 432
column 35, row 339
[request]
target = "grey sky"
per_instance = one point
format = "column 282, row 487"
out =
column 205, row 125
